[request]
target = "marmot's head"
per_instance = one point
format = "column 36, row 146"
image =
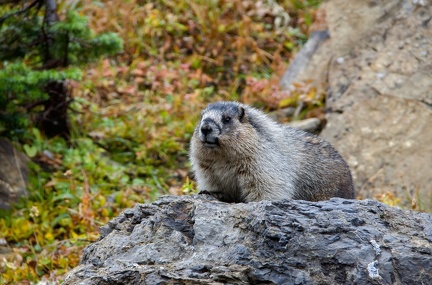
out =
column 219, row 121
column 227, row 128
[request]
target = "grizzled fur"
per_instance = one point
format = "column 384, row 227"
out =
column 239, row 154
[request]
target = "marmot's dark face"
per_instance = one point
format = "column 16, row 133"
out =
column 220, row 123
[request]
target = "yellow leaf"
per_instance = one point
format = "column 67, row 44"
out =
column 74, row 235
column 105, row 212
column 102, row 200
column 290, row 101
column 10, row 265
column 311, row 95
column 49, row 236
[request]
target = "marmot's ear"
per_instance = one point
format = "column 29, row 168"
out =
column 241, row 114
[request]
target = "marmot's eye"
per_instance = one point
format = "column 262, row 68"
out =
column 226, row 120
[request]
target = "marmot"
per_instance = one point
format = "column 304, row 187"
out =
column 239, row 154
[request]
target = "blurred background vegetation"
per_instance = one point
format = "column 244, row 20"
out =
column 103, row 97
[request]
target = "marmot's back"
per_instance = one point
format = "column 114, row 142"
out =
column 241, row 155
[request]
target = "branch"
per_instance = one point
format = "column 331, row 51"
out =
column 30, row 106
column 5, row 17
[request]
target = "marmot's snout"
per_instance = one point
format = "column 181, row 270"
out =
column 209, row 132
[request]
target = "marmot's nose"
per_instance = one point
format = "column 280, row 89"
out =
column 206, row 129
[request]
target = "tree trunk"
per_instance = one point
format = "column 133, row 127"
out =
column 51, row 16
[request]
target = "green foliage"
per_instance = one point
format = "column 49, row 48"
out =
column 70, row 41
column 34, row 54
column 20, row 86
column 66, row 207
column 19, row 82
column 74, row 40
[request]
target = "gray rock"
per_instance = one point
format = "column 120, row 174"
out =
column 377, row 68
column 380, row 94
column 282, row 114
column 198, row 240
column 303, row 58
column 311, row 125
column 13, row 174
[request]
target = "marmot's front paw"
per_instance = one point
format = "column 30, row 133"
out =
column 217, row 195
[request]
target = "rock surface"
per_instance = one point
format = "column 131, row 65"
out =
column 311, row 125
column 303, row 58
column 13, row 174
column 198, row 240
column 377, row 66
